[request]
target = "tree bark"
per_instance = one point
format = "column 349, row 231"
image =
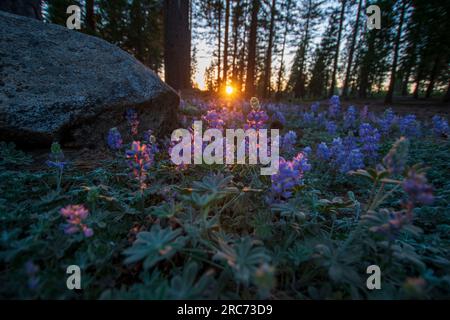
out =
column 299, row 87
column 219, row 44
column 268, row 64
column 390, row 93
column 447, row 95
column 177, row 44
column 351, row 52
column 336, row 55
column 433, row 76
column 283, row 47
column 90, row 16
column 251, row 63
column 225, row 44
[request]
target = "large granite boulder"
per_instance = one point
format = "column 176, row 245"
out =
column 60, row 84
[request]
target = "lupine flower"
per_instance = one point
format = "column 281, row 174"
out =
column 315, row 107
column 440, row 126
column 114, row 139
column 331, row 127
column 369, row 139
column 395, row 223
column 353, row 161
column 417, row 188
column 350, row 142
column 334, row 106
column 387, row 121
column 364, row 114
column 350, row 117
column 75, row 215
column 139, row 160
column 133, row 121
column 278, row 116
column 308, row 117
column 396, row 158
column 323, row 152
column 321, row 118
column 256, row 119
column 301, row 161
column 150, row 141
column 289, row 140
column 31, row 270
column 346, row 159
column 338, row 151
column 290, row 175
column 307, row 150
column 56, row 157
column 213, row 119
column 409, row 126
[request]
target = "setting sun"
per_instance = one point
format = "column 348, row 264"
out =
column 229, row 90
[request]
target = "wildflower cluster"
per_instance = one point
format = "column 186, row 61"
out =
column 139, row 160
column 56, row 157
column 213, row 119
column 350, row 117
column 75, row 216
column 114, row 139
column 32, row 270
column 289, row 140
column 387, row 121
column 331, row 127
column 409, row 126
column 256, row 119
column 440, row 126
column 369, row 139
column 323, row 152
column 289, row 176
column 334, row 108
column 345, row 156
column 417, row 188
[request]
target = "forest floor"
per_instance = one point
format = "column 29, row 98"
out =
column 423, row 109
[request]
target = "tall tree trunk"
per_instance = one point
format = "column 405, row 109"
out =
column 351, row 52
column 219, row 41
column 447, row 94
column 417, row 88
column 225, row 44
column 283, row 46
column 406, row 81
column 236, row 24
column 390, row 93
column 268, row 63
column 90, row 16
column 177, row 44
column 338, row 44
column 433, row 76
column 299, row 87
column 251, row 63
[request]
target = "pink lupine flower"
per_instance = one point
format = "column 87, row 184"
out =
column 75, row 214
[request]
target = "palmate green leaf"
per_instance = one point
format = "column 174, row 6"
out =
column 167, row 209
column 243, row 257
column 154, row 246
column 186, row 285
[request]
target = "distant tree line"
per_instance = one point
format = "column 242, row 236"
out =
column 307, row 49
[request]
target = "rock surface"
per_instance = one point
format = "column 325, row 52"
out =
column 60, row 84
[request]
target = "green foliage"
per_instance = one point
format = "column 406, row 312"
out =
column 155, row 245
column 203, row 233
